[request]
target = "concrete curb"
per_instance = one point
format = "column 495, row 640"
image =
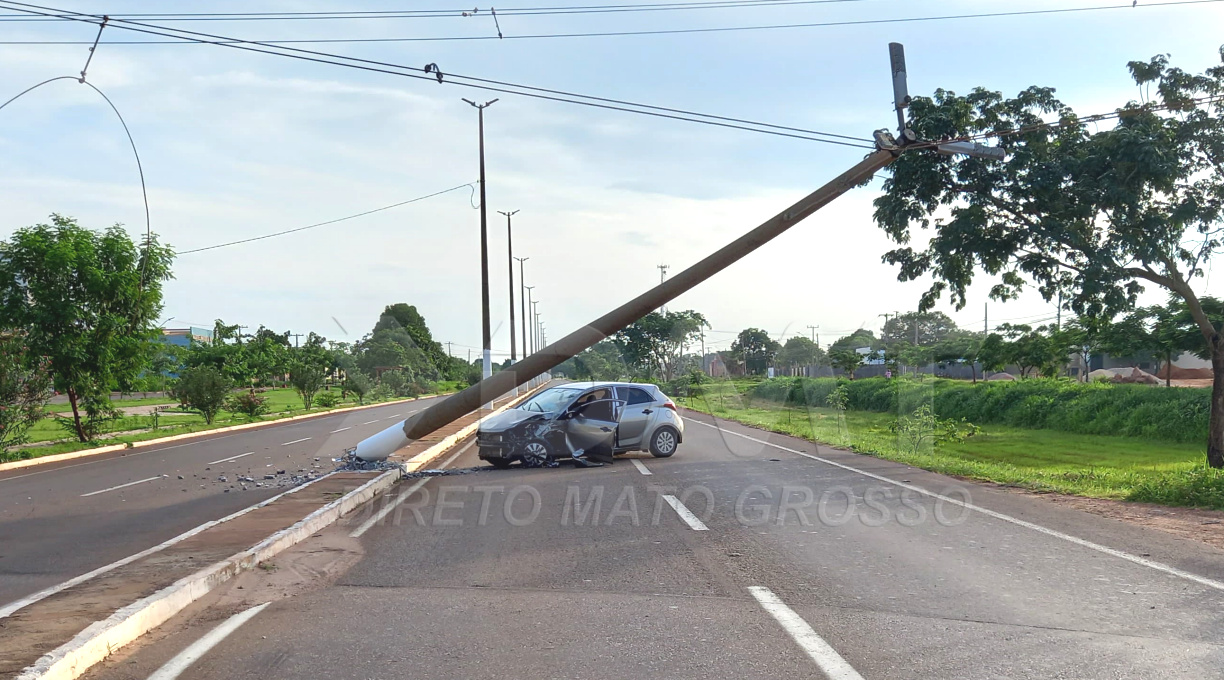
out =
column 102, row 638
column 58, row 457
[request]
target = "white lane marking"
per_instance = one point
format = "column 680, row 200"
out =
column 341, row 430
column 370, row 423
column 640, row 466
column 175, row 667
column 16, row 605
column 393, row 417
column 1151, row 564
column 386, row 510
column 297, row 441
column 226, row 460
column 827, row 659
column 685, row 514
column 122, row 486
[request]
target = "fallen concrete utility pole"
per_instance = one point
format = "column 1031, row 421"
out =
column 392, row 439
column 383, row 444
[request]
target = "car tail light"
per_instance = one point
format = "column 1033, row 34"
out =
column 669, row 404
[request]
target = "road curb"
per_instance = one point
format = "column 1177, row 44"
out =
column 83, row 453
column 102, row 638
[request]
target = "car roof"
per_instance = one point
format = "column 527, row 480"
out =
column 586, row 385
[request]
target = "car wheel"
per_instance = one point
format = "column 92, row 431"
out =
column 537, row 454
column 664, row 442
column 500, row 463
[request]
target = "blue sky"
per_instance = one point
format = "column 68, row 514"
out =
column 237, row 144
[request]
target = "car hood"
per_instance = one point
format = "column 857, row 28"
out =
column 509, row 418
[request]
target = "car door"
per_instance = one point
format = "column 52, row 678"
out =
column 590, row 426
column 639, row 406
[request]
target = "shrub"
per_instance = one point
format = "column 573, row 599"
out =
column 204, row 389
column 327, row 399
column 359, row 384
column 1177, row 414
column 394, row 380
column 249, row 404
column 380, row 393
column 307, row 380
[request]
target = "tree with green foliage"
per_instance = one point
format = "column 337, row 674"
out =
column 959, row 347
column 359, row 384
column 307, row 379
column 856, row 340
column 1087, row 336
column 164, row 361
column 801, row 351
column 205, row 389
column 230, row 359
column 1038, row 350
column 25, row 387
column 87, row 301
column 1092, row 214
column 917, row 328
column 395, row 380
column 846, row 360
column 603, row 361
column 656, row 342
column 755, row 349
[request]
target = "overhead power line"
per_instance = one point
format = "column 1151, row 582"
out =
column 664, row 31
column 323, row 224
column 453, row 13
column 454, row 79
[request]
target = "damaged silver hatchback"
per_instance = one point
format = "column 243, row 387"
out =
column 584, row 422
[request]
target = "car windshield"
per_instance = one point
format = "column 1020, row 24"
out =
column 550, row 400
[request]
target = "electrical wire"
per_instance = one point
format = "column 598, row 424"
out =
column 671, row 31
column 449, row 13
column 323, row 224
column 1076, row 121
column 144, row 190
column 456, row 79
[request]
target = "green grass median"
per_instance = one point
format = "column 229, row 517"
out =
column 1127, row 468
column 55, row 439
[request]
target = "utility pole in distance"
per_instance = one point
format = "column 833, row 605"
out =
column 815, row 341
column 487, row 336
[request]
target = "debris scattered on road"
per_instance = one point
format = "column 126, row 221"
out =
column 445, row 473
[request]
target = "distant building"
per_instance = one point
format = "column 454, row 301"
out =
column 714, row 365
column 183, row 336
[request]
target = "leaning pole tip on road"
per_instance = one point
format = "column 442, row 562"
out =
column 888, row 148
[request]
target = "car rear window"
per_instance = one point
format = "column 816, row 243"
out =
column 633, row 395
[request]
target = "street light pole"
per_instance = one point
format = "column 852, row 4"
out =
column 510, row 262
column 526, row 326
column 487, row 336
column 522, row 301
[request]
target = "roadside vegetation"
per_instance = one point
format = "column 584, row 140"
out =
column 78, row 311
column 1162, row 466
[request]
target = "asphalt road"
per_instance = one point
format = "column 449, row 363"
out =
column 501, row 574
column 61, row 520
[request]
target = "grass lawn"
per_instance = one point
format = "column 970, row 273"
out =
column 1044, row 460
column 281, row 402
